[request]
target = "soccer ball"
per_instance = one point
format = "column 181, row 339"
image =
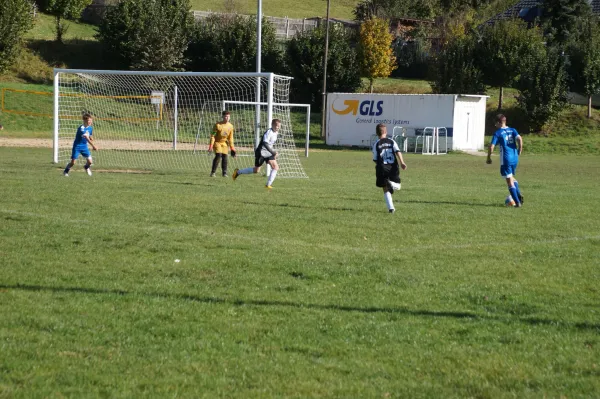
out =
column 509, row 201
column 394, row 186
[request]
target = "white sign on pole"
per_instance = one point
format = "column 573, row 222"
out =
column 157, row 97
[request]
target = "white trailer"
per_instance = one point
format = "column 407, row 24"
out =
column 352, row 117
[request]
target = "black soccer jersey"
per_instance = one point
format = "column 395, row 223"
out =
column 384, row 152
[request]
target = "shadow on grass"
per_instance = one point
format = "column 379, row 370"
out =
column 73, row 53
column 344, row 308
column 494, row 205
column 286, row 205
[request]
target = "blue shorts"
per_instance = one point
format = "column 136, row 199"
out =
column 83, row 151
column 508, row 170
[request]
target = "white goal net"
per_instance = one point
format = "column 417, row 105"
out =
column 163, row 120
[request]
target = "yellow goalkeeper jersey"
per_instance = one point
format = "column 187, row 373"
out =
column 222, row 134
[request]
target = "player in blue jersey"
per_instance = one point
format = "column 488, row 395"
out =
column 511, row 146
column 388, row 160
column 80, row 145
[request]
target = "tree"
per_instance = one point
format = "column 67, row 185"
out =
column 16, row 18
column 390, row 9
column 559, row 19
column 304, row 57
column 455, row 70
column 375, row 50
column 543, row 87
column 500, row 49
column 584, row 54
column 228, row 44
column 61, row 10
column 147, row 34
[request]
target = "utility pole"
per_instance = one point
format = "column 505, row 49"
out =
column 324, row 106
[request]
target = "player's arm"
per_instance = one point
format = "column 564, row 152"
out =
column 400, row 160
column 212, row 138
column 230, row 141
column 491, row 149
column 90, row 141
column 520, row 142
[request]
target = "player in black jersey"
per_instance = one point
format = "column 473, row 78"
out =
column 388, row 160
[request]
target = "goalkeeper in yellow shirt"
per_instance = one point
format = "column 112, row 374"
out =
column 220, row 139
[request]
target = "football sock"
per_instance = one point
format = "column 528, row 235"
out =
column 268, row 170
column 271, row 177
column 224, row 164
column 245, row 171
column 86, row 167
column 67, row 169
column 517, row 187
column 215, row 163
column 513, row 193
column 388, row 200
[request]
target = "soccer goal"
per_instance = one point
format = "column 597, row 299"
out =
column 163, row 120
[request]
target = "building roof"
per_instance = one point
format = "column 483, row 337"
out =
column 528, row 10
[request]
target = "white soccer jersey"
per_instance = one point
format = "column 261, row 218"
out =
column 269, row 139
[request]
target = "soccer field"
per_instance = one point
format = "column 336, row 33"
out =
column 173, row 284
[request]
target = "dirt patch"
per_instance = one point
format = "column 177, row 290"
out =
column 30, row 143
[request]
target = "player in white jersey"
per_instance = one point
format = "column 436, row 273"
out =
column 387, row 157
column 264, row 153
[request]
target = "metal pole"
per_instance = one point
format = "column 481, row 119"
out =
column 56, row 94
column 323, row 107
column 307, row 131
column 258, row 70
column 176, row 120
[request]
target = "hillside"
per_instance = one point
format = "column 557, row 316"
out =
column 281, row 8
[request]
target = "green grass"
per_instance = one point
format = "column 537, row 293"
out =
column 311, row 290
column 282, row 8
column 397, row 86
column 44, row 29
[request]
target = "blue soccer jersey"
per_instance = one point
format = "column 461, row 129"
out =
column 80, row 141
column 506, row 139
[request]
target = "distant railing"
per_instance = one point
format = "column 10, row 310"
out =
column 285, row 28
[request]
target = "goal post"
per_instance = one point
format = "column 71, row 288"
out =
column 229, row 104
column 164, row 120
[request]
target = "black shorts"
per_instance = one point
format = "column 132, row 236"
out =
column 259, row 160
column 385, row 173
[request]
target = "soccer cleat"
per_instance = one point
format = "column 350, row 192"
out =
column 89, row 171
column 268, row 187
column 235, row 174
column 518, row 205
column 212, row 174
column 66, row 174
column 520, row 199
column 225, row 175
column 392, row 210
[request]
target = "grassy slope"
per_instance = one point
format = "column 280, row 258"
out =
column 311, row 290
column 282, row 8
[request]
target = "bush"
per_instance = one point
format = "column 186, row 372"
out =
column 304, row 58
column 147, row 34
column 412, row 58
column 455, row 70
column 16, row 18
column 543, row 88
column 223, row 43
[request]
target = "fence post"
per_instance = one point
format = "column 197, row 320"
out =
column 287, row 27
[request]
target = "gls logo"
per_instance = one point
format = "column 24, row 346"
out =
column 367, row 107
